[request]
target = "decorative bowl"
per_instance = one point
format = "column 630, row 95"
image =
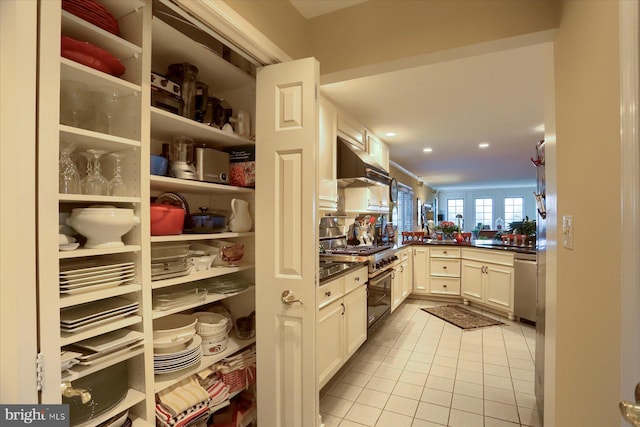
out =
column 232, row 253
column 102, row 225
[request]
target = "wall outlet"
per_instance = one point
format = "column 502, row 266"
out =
column 567, row 231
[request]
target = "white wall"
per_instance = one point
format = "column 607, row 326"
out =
column 497, row 194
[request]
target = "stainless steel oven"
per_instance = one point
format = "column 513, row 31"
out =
column 379, row 297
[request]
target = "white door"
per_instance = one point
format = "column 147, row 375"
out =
column 286, row 242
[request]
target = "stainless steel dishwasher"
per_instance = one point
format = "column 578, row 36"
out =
column 525, row 284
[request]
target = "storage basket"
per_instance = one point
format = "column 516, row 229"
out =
column 237, row 379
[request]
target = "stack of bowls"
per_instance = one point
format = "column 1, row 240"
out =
column 213, row 328
column 173, row 333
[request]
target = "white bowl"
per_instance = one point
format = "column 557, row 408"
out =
column 102, row 225
column 174, row 329
column 211, row 324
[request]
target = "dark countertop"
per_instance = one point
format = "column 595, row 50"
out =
column 480, row 244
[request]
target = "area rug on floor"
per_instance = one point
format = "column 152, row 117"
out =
column 461, row 317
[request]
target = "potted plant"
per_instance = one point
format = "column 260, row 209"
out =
column 447, row 228
column 524, row 228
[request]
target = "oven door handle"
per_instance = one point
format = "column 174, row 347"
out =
column 382, row 276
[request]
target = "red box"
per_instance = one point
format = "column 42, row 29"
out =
column 242, row 165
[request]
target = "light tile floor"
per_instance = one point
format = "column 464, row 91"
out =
column 416, row 370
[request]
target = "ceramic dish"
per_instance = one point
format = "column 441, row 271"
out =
column 110, row 341
column 77, row 284
column 99, row 318
column 91, row 288
column 94, row 324
column 88, row 267
column 188, row 350
column 97, row 276
column 88, row 311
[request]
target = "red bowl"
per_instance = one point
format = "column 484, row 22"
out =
column 166, row 220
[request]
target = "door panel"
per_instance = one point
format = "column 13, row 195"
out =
column 500, row 286
column 286, row 242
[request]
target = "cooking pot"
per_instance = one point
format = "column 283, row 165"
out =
column 92, row 395
column 205, row 222
column 166, row 219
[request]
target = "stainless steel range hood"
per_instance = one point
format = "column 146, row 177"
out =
column 357, row 168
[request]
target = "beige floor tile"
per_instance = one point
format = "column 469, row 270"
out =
column 470, row 365
column 494, row 422
column 436, row 397
column 335, row 406
column 498, row 370
column 449, row 362
column 442, row 371
column 523, row 374
column 388, row 373
column 433, row 413
column 374, row 398
column 414, row 378
column 412, row 391
column 498, row 382
column 524, row 386
column 440, row 383
column 356, row 378
column 469, row 376
column 363, row 414
column 381, row 384
column 501, row 411
column 401, row 405
column 459, row 418
column 500, row 395
column 330, row 420
column 467, row 403
column 529, row 417
column 419, row 367
column 468, row 389
column 345, row 391
column 526, row 400
column 391, row 419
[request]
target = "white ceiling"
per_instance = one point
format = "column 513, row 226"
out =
column 451, row 107
column 312, row 8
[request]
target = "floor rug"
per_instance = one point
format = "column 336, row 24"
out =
column 461, row 317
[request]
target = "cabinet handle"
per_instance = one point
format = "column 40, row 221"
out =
column 343, row 308
column 357, row 279
column 445, row 252
column 444, row 267
column 444, row 286
column 328, row 293
column 401, row 268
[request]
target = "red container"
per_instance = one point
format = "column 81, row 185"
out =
column 166, row 220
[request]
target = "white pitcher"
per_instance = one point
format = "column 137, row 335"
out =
column 240, row 220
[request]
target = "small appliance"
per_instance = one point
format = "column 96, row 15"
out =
column 181, row 158
column 212, row 165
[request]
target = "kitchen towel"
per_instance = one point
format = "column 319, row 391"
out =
column 182, row 396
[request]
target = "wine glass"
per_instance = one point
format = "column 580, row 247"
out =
column 68, row 174
column 117, row 187
column 94, row 183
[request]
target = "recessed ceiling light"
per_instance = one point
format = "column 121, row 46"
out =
column 427, row 150
column 483, row 145
column 390, row 134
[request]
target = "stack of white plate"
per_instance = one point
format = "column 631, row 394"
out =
column 107, row 346
column 85, row 316
column 164, row 363
column 88, row 276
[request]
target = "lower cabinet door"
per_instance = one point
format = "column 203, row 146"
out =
column 330, row 341
column 472, row 277
column 499, row 287
column 355, row 320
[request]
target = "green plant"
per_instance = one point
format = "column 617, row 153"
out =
column 527, row 227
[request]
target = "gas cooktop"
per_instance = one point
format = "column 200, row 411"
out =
column 357, row 250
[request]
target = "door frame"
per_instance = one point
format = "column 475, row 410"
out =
column 630, row 198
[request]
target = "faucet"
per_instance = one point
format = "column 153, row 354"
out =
column 68, row 391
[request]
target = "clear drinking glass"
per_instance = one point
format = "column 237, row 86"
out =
column 68, row 174
column 94, row 183
column 74, row 103
column 117, row 187
column 114, row 107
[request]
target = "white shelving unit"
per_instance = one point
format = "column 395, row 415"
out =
column 146, row 44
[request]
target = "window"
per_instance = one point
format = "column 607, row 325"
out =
column 405, row 212
column 513, row 209
column 484, row 212
column 455, row 207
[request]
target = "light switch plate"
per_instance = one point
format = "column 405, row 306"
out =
column 567, row 231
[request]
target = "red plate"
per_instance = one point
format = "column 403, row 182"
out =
column 93, row 12
column 91, row 56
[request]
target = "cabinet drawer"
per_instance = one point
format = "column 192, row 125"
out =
column 330, row 292
column 445, row 285
column 447, row 252
column 355, row 279
column 488, row 256
column 445, row 267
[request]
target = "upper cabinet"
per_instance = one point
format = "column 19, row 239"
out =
column 378, row 150
column 328, row 186
column 352, row 131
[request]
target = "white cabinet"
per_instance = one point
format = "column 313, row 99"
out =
column 401, row 283
column 330, row 341
column 366, row 199
column 421, row 270
column 327, row 182
column 444, row 266
column 378, row 150
column 487, row 278
column 342, row 322
column 352, row 131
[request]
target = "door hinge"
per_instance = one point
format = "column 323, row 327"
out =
column 316, row 92
column 39, row 371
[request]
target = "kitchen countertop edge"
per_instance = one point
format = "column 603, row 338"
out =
column 488, row 246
